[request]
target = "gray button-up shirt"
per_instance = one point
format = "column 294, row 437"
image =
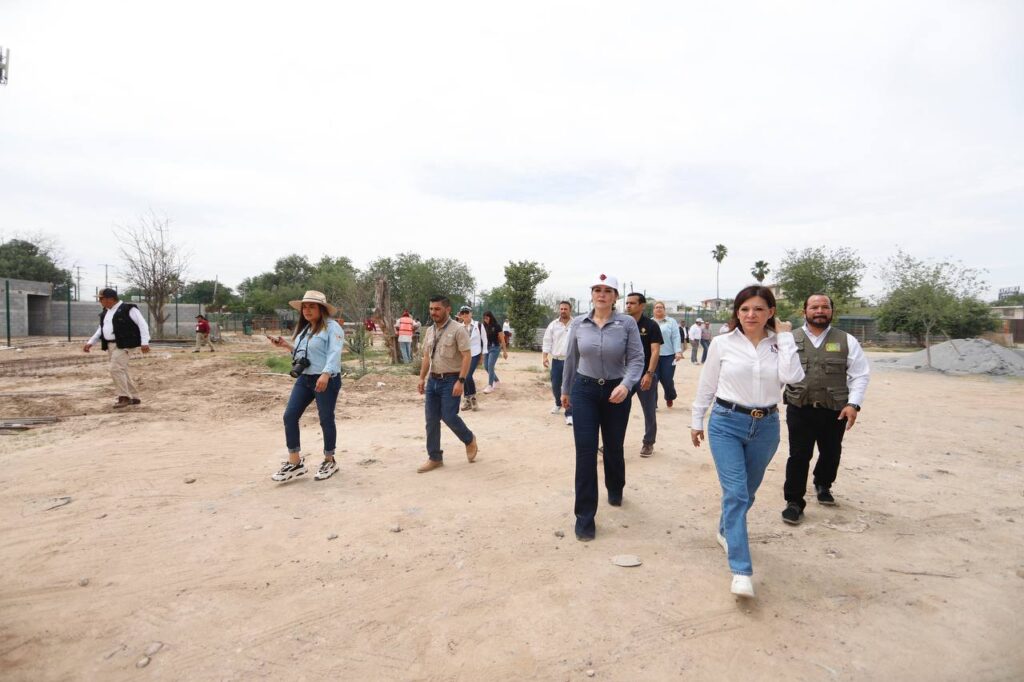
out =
column 610, row 352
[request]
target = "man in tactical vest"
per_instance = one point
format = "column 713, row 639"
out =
column 122, row 327
column 822, row 407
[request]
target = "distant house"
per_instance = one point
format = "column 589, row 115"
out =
column 714, row 304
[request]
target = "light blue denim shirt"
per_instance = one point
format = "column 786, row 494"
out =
column 610, row 352
column 322, row 349
column 671, row 341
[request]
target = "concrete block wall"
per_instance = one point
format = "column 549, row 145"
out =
column 85, row 318
column 20, row 292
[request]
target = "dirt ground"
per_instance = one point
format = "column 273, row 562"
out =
column 472, row 572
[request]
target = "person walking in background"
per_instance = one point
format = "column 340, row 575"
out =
column 743, row 377
column 725, row 328
column 553, row 351
column 405, row 327
column 671, row 352
column 647, row 389
column 604, row 361
column 823, row 407
column 694, row 334
column 316, row 347
column 477, row 350
column 202, row 333
column 506, row 329
column 495, row 347
column 122, row 328
column 705, row 341
column 446, row 359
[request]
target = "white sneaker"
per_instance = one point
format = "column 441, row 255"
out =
column 568, row 420
column 556, row 409
column 327, row 469
column 288, row 471
column 488, row 390
column 742, row 586
column 722, row 542
column 497, row 384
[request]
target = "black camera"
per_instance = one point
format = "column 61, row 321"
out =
column 298, row 366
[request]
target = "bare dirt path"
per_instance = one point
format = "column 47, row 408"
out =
column 460, row 573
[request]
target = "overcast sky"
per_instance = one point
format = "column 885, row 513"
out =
column 592, row 137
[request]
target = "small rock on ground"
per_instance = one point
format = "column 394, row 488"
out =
column 190, row 479
column 559, row 533
column 396, row 528
column 142, row 662
column 83, row 582
column 332, row 536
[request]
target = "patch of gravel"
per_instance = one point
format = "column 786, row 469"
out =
column 966, row 356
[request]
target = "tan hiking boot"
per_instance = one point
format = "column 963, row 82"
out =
column 471, row 449
column 430, row 465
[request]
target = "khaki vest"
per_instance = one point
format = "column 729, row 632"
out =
column 825, row 368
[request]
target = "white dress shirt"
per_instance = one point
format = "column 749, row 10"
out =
column 477, row 340
column 556, row 338
column 748, row 376
column 858, row 369
column 106, row 330
column 694, row 332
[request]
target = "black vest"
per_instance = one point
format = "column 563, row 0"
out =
column 126, row 332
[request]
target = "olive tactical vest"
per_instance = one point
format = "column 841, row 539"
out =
column 825, row 368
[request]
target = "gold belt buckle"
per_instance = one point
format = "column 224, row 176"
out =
column 757, row 414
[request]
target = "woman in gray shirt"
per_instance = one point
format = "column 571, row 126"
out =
column 604, row 360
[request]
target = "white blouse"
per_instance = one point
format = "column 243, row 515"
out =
column 748, row 376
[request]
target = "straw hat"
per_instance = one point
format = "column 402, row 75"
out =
column 314, row 297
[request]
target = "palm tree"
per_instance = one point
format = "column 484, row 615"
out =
column 719, row 253
column 760, row 270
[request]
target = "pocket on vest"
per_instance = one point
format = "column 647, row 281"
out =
column 840, row 396
column 835, row 366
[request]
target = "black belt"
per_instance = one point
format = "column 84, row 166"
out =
column 755, row 412
column 599, row 382
column 446, row 375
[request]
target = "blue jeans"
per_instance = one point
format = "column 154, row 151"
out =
column 666, row 376
column 303, row 394
column 470, row 385
column 406, row 348
column 704, row 343
column 440, row 405
column 592, row 413
column 490, row 362
column 557, row 372
column 649, row 405
column 742, row 447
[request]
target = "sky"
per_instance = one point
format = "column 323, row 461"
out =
column 591, row 137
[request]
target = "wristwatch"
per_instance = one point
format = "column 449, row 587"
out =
column 854, row 406
column 462, row 380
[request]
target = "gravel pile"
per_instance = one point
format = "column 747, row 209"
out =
column 967, row 356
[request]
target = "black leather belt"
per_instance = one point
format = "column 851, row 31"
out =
column 599, row 382
column 446, row 375
column 755, row 412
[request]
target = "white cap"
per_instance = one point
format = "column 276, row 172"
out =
column 604, row 280
column 699, row 321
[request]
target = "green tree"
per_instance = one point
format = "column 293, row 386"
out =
column 496, row 300
column 928, row 296
column 760, row 270
column 269, row 291
column 35, row 261
column 835, row 272
column 524, row 313
column 719, row 253
column 412, row 281
column 202, row 291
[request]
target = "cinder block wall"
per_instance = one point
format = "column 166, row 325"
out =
column 85, row 318
column 19, row 313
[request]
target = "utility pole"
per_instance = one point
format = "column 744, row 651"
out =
column 106, row 276
column 78, row 286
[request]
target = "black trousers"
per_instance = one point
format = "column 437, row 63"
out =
column 807, row 426
column 591, row 414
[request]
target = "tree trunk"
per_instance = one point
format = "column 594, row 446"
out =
column 384, row 317
column 928, row 347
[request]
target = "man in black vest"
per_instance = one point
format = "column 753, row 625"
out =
column 822, row 407
column 122, row 327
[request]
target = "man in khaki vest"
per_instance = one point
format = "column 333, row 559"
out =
column 446, row 358
column 822, row 407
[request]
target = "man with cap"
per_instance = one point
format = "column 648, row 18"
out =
column 446, row 359
column 122, row 328
column 202, row 333
column 823, row 407
column 477, row 352
column 647, row 390
column 694, row 335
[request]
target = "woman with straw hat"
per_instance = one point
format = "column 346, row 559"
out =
column 316, row 347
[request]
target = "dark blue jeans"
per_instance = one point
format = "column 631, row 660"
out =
column 667, row 376
column 704, row 344
column 440, row 405
column 593, row 413
column 557, row 372
column 648, row 403
column 470, row 386
column 303, row 394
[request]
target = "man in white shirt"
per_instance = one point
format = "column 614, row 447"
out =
column 694, row 335
column 554, row 348
column 824, row 406
column 122, row 327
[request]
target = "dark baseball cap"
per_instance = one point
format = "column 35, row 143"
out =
column 108, row 293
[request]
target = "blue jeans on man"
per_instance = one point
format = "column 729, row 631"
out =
column 592, row 413
column 742, row 448
column 557, row 372
column 405, row 347
column 303, row 393
column 440, row 405
column 649, row 405
column 704, row 343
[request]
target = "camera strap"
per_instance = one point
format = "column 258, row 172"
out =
column 305, row 349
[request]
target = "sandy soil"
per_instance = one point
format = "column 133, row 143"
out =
column 918, row 574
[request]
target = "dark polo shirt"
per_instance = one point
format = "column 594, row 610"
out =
column 650, row 332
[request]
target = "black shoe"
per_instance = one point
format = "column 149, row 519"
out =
column 825, row 496
column 615, row 500
column 792, row 514
column 584, row 537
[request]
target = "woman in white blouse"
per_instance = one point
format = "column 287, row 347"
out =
column 744, row 375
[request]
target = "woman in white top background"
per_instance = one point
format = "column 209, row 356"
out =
column 743, row 376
